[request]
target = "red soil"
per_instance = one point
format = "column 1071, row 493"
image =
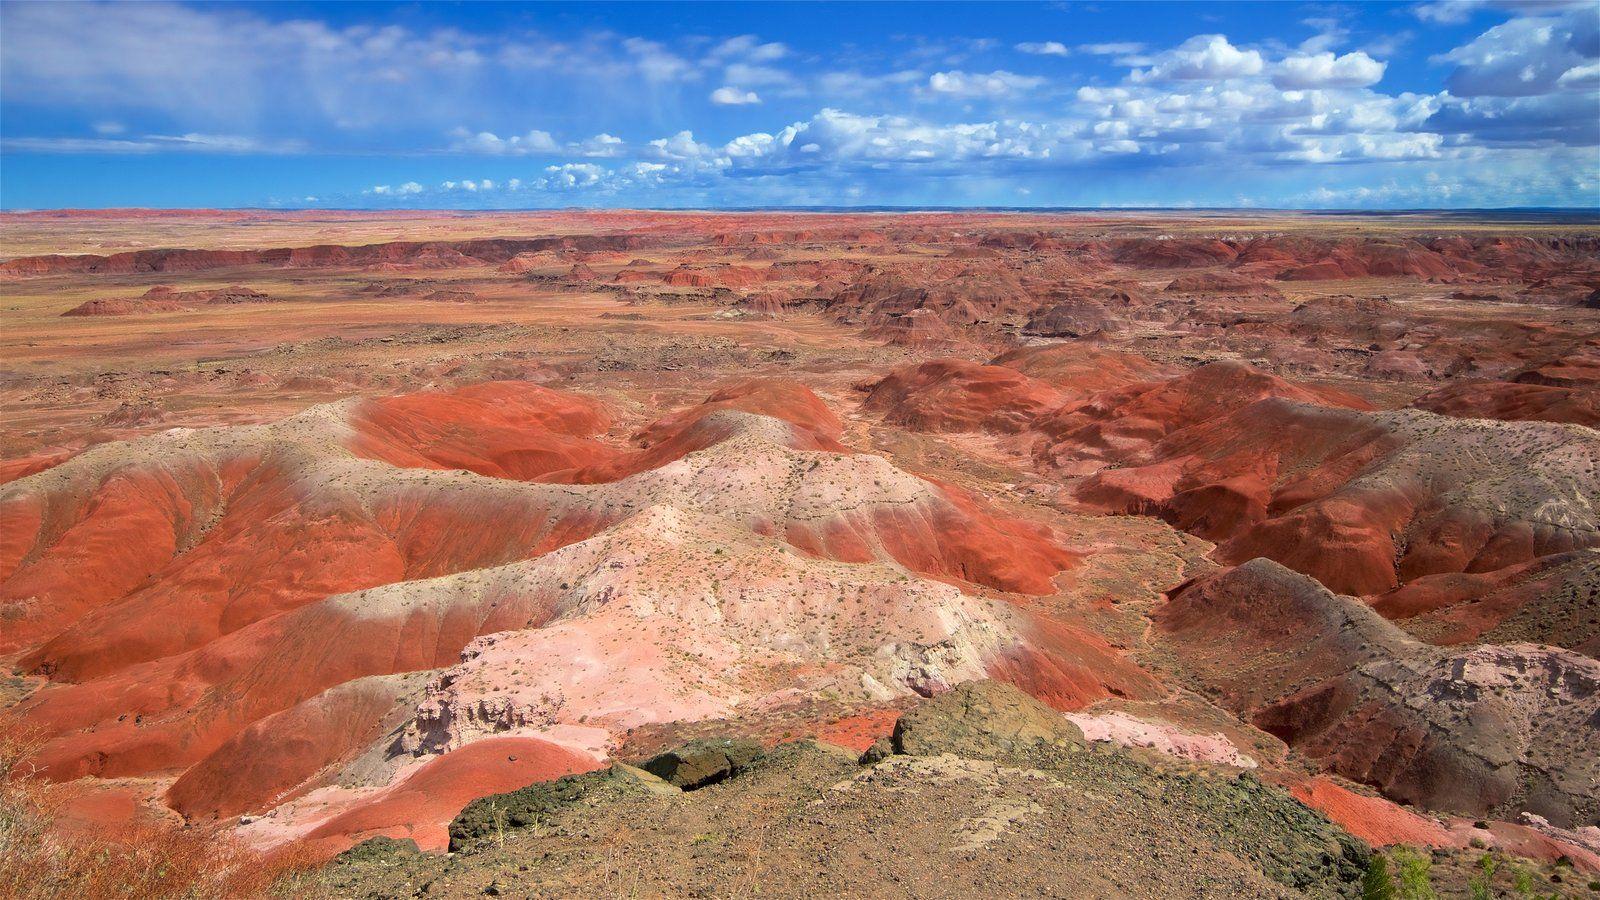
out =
column 272, row 758
column 956, row 395
column 420, row 254
column 1069, row 667
column 861, row 731
column 421, row 806
column 714, row 276
column 1123, row 424
column 1080, row 370
column 499, row 429
column 178, row 600
column 1379, row 822
column 1222, row 283
column 1515, row 402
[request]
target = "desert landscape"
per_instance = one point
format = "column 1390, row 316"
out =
column 634, row 553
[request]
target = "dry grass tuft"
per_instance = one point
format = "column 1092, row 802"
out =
column 40, row 859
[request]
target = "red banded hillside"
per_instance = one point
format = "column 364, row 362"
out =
column 248, row 609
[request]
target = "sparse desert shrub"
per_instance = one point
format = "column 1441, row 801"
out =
column 1411, row 878
column 1480, row 887
column 41, row 859
column 1375, row 884
column 1413, row 875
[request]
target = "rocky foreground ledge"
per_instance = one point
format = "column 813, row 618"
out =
column 982, row 791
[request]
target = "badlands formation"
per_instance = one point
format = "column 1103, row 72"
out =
column 584, row 554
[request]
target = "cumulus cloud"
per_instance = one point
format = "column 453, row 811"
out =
column 834, row 138
column 1044, row 48
column 1205, row 57
column 1455, row 12
column 573, row 176
column 1524, row 85
column 1324, row 70
column 407, row 189
column 1585, row 77
column 229, row 68
column 1565, row 118
column 1530, row 81
column 534, row 141
column 1524, row 57
column 732, row 96
column 600, row 146
column 999, row 83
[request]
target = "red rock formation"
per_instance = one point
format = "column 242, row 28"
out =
column 206, row 603
column 1081, row 369
column 423, row 254
column 1377, row 821
column 1082, row 310
column 919, row 328
column 284, row 753
column 162, row 298
column 956, row 395
column 967, row 299
column 1496, row 728
column 1514, row 402
column 420, row 806
column 499, row 429
column 1550, row 600
column 714, row 276
column 1363, row 501
column 1174, row 253
column 1120, row 425
column 1224, row 283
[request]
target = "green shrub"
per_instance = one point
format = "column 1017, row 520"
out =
column 1375, row 884
column 1412, row 871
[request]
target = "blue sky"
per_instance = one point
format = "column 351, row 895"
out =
column 1458, row 103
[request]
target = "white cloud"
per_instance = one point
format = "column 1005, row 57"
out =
column 1586, row 77
column 572, row 176
column 1524, row 57
column 657, row 63
column 1351, row 147
column 407, row 189
column 1446, row 12
column 750, row 48
column 1045, row 48
column 192, row 142
column 855, row 83
column 732, row 96
column 534, row 141
column 234, row 80
column 1331, row 32
column 601, row 146
column 681, row 146
column 999, row 83
column 1324, row 70
column 833, row 138
column 1205, row 57
column 1115, row 48
column 1564, row 118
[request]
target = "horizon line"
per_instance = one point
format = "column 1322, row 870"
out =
column 1397, row 210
